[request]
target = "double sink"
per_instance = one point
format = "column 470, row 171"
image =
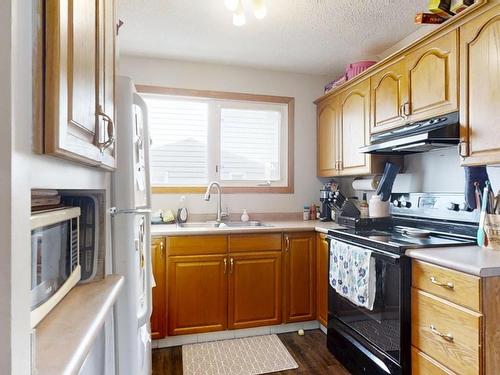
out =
column 226, row 224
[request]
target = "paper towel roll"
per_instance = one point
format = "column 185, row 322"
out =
column 366, row 184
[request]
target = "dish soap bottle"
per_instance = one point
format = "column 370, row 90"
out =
column 182, row 211
column 244, row 216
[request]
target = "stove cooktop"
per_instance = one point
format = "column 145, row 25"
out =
column 397, row 241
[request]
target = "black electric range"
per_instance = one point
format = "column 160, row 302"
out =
column 378, row 340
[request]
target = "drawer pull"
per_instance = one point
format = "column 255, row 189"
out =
column 448, row 337
column 443, row 285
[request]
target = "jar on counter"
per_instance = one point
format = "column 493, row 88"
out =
column 306, row 213
column 378, row 208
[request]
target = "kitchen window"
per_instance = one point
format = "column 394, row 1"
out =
column 245, row 142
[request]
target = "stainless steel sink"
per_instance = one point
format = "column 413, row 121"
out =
column 228, row 224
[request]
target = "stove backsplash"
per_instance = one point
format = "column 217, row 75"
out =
column 429, row 172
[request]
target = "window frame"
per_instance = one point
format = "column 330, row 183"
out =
column 222, row 95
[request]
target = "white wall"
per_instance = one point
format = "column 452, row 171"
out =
column 21, row 170
column 305, row 89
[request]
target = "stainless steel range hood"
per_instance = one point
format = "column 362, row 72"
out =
column 438, row 132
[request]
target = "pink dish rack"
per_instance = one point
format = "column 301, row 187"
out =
column 352, row 70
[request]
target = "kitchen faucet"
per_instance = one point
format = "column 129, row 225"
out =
column 219, row 199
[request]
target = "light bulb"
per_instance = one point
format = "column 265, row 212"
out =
column 259, row 9
column 239, row 15
column 231, row 5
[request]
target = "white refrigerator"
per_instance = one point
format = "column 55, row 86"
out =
column 131, row 228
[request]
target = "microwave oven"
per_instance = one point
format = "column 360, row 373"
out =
column 55, row 263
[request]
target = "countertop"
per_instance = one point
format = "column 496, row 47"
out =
column 273, row 226
column 65, row 336
column 473, row 260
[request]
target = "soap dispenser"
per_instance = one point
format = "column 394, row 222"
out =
column 244, row 216
column 182, row 212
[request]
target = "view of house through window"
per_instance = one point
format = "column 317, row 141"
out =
column 197, row 140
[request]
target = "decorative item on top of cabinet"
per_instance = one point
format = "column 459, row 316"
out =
column 480, row 89
column 327, row 137
column 299, row 276
column 389, row 91
column 79, row 69
column 322, row 270
column 159, row 314
column 433, row 78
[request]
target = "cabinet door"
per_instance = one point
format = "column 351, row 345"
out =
column 300, row 277
column 327, row 137
column 106, row 92
column 433, row 72
column 389, row 90
column 480, row 89
column 354, row 129
column 322, row 279
column 197, row 294
column 254, row 289
column 159, row 315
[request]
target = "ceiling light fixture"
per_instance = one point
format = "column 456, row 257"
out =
column 236, row 7
column 239, row 18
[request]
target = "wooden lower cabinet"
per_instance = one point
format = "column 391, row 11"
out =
column 322, row 268
column 299, row 277
column 159, row 314
column 197, row 294
column 254, row 289
column 422, row 364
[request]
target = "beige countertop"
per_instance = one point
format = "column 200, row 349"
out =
column 65, row 336
column 473, row 260
column 272, row 226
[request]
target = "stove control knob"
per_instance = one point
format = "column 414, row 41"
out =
column 396, row 203
column 453, row 206
column 464, row 207
column 406, row 204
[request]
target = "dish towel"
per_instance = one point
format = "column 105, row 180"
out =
column 352, row 273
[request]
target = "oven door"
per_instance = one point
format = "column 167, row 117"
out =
column 384, row 330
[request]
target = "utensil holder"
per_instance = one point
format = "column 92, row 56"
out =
column 492, row 230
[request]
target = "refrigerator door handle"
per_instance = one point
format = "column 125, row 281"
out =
column 113, row 211
column 139, row 101
column 144, row 318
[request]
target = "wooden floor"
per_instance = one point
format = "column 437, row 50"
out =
column 309, row 351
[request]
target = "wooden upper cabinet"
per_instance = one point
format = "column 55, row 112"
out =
column 354, row 129
column 389, row 91
column 433, row 78
column 197, row 294
column 159, row 314
column 254, row 289
column 322, row 282
column 480, row 89
column 327, row 137
column 300, row 277
column 79, row 76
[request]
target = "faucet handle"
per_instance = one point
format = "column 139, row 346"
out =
column 225, row 213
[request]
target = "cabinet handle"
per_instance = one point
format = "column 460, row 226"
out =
column 231, row 265
column 447, row 337
column 110, row 130
column 225, row 266
column 162, row 249
column 462, row 149
column 287, row 244
column 403, row 111
column 443, row 285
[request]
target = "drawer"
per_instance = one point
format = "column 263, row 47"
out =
column 448, row 333
column 422, row 364
column 196, row 245
column 254, row 242
column 457, row 287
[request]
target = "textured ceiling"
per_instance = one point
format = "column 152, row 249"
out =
column 306, row 36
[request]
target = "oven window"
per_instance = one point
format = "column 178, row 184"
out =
column 380, row 326
column 50, row 260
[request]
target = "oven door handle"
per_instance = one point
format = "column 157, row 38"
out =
column 377, row 253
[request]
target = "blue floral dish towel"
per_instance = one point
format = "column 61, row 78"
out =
column 352, row 273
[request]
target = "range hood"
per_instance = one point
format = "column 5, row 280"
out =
column 438, row 132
